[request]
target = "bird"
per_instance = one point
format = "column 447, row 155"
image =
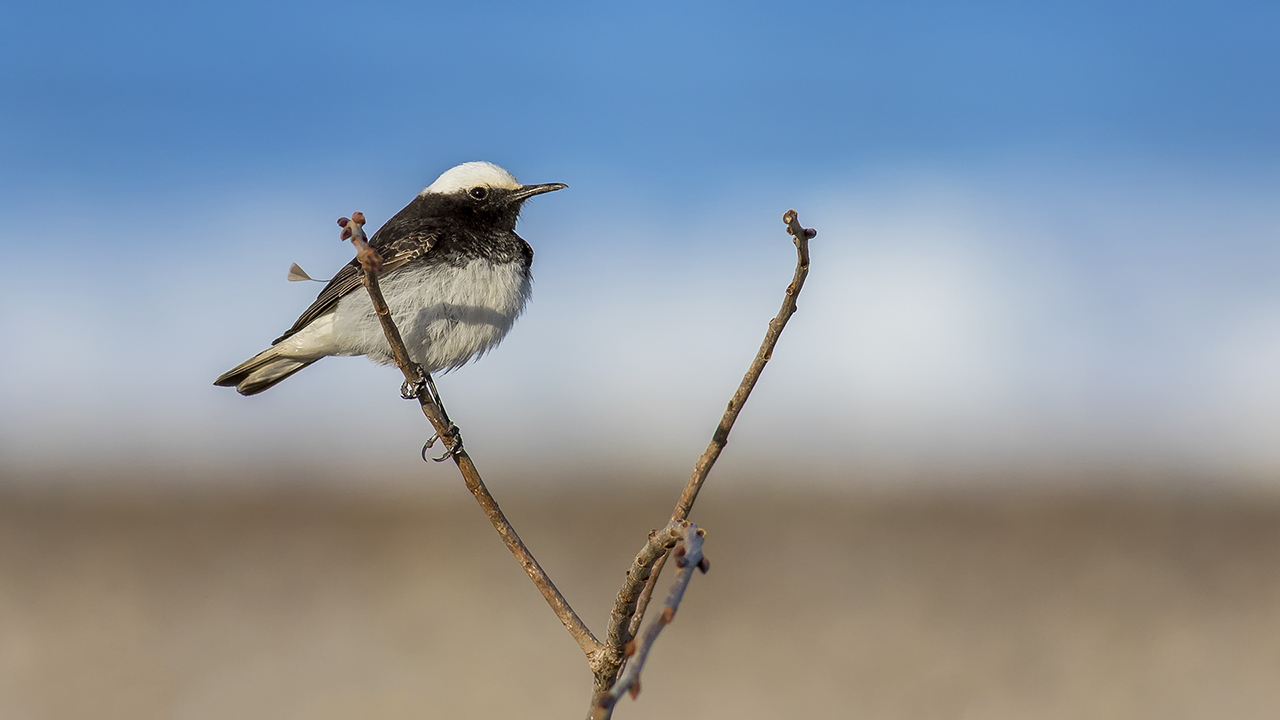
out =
column 454, row 273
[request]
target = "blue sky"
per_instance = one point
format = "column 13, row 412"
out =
column 677, row 92
column 1049, row 231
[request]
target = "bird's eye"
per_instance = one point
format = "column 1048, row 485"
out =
column 479, row 193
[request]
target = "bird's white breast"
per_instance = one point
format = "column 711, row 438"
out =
column 447, row 315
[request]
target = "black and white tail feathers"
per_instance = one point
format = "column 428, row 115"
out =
column 260, row 372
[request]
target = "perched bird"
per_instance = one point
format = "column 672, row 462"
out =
column 454, row 272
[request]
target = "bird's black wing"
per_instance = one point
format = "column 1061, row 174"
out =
column 397, row 245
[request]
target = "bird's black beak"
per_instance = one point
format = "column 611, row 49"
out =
column 527, row 191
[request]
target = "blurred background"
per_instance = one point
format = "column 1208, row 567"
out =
column 1015, row 456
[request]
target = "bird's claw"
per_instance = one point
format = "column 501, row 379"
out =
column 427, row 445
column 411, row 391
column 449, row 451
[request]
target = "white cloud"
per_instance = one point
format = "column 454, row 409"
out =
column 948, row 321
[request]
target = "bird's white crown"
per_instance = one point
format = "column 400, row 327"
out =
column 469, row 175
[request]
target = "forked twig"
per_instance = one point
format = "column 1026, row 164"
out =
column 417, row 385
column 688, row 556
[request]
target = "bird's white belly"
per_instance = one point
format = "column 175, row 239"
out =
column 447, row 315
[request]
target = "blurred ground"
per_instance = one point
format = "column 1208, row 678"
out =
column 1068, row 606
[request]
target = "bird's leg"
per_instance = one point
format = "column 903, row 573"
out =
column 453, row 432
column 435, row 397
column 413, row 391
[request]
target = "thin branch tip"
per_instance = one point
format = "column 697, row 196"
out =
column 636, row 593
column 792, row 220
column 369, row 259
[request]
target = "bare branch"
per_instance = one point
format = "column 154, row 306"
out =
column 678, row 539
column 418, row 385
column 606, row 663
column 688, row 556
column 629, row 608
column 801, row 237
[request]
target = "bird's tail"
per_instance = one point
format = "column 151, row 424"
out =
column 261, row 372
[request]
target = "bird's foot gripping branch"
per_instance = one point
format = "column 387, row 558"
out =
column 617, row 662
